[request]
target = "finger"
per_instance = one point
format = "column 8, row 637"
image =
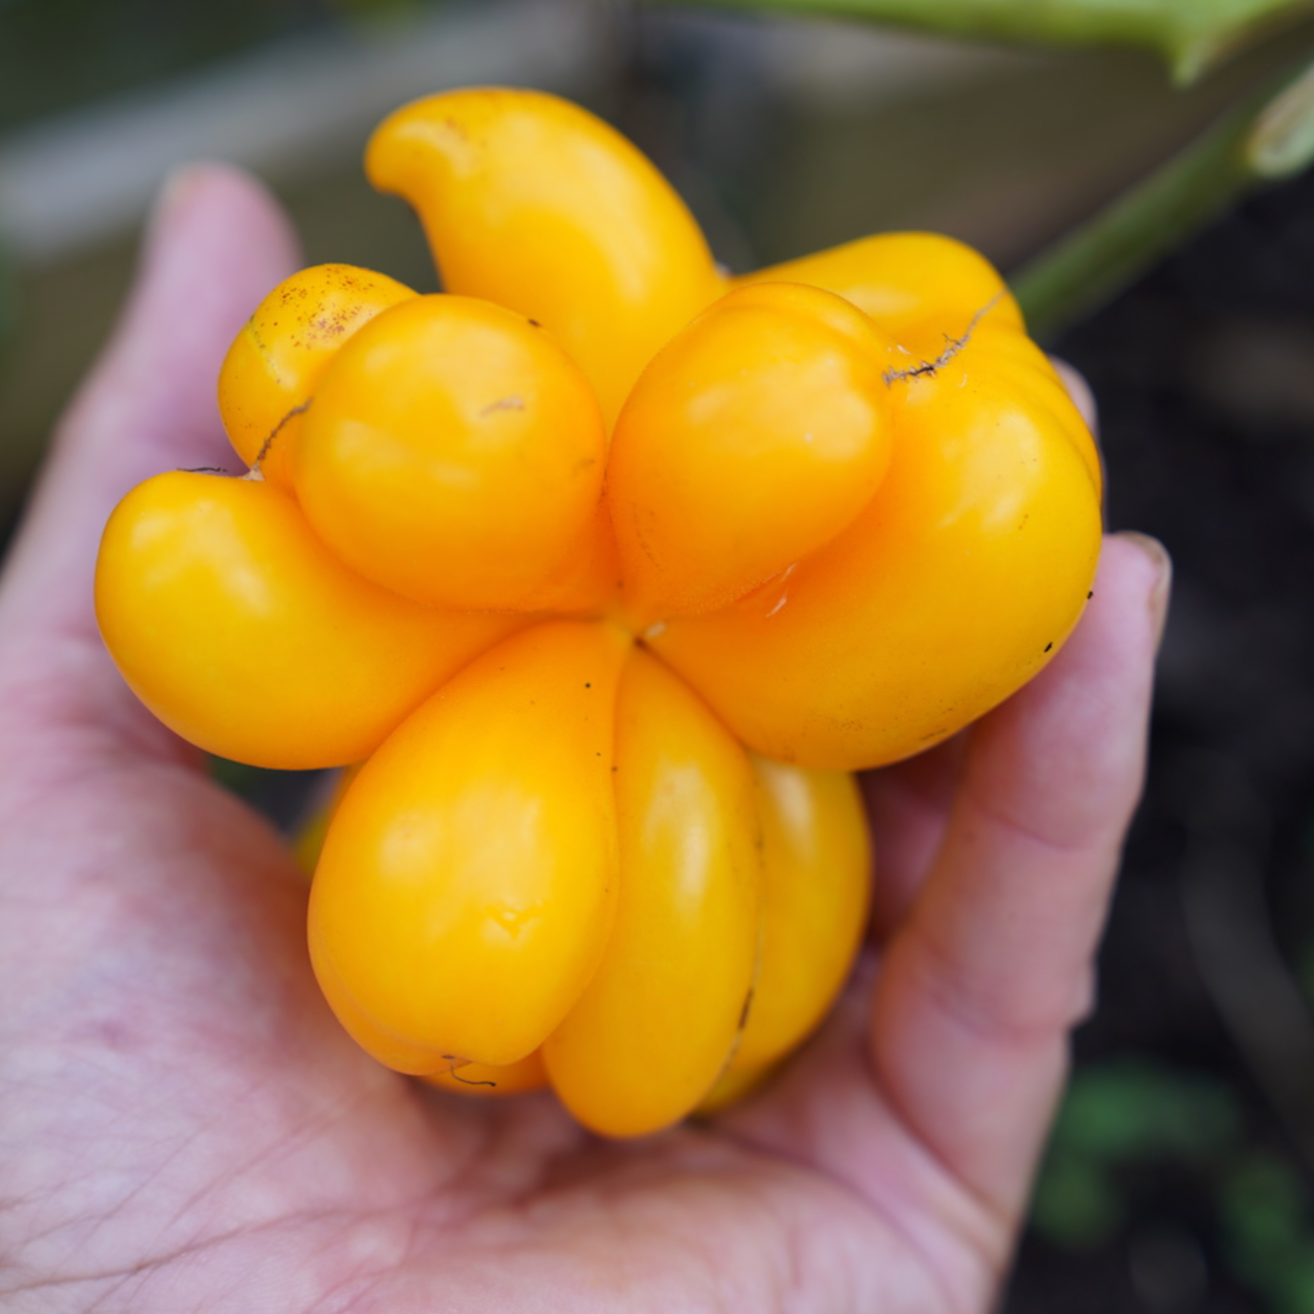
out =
column 216, row 244
column 995, row 963
column 974, row 996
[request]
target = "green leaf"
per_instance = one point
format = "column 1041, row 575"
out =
column 1192, row 35
column 1295, row 1285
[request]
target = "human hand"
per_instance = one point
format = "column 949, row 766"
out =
column 184, row 1126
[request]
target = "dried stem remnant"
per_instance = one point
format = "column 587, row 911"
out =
column 953, row 347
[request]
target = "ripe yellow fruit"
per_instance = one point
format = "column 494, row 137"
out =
column 605, row 690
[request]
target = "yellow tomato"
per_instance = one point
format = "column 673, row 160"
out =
column 468, row 879
column 452, row 453
column 657, row 1022
column 847, row 508
column 955, row 585
column 768, row 410
column 240, row 631
column 816, row 866
column 905, row 282
column 531, row 202
column 587, row 580
column 816, row 862
column 276, row 360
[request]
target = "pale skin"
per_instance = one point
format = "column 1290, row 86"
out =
column 184, row 1126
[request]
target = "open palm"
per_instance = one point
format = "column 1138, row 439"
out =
column 184, row 1126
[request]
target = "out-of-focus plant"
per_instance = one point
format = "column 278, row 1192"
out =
column 7, row 306
column 1268, row 1231
column 1268, row 136
column 1194, row 36
column 55, row 54
column 1119, row 1114
column 1125, row 1124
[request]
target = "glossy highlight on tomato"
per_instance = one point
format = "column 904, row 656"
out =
column 606, row 571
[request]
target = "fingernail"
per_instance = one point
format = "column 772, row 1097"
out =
column 1163, row 583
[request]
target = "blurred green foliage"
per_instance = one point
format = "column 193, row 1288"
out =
column 1192, row 35
column 1268, row 1229
column 8, row 306
column 1124, row 1113
column 1126, row 1122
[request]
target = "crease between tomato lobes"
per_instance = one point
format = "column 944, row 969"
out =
column 535, row 204
column 816, row 896
column 452, row 453
column 468, row 879
column 240, row 631
column 277, row 360
column 668, row 998
column 752, row 439
column 742, row 896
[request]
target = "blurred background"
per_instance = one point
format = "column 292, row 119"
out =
column 1180, row 1177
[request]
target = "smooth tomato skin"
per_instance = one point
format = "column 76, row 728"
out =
column 586, row 582
column 653, row 1028
column 468, row 879
column 906, row 282
column 768, row 410
column 453, row 454
column 816, row 896
column 242, row 633
column 271, row 370
column 535, row 204
column 957, row 584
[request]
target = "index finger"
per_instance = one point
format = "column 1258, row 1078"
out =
column 995, row 963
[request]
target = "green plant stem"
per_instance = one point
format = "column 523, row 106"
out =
column 1090, row 265
column 1266, row 137
column 1192, row 35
